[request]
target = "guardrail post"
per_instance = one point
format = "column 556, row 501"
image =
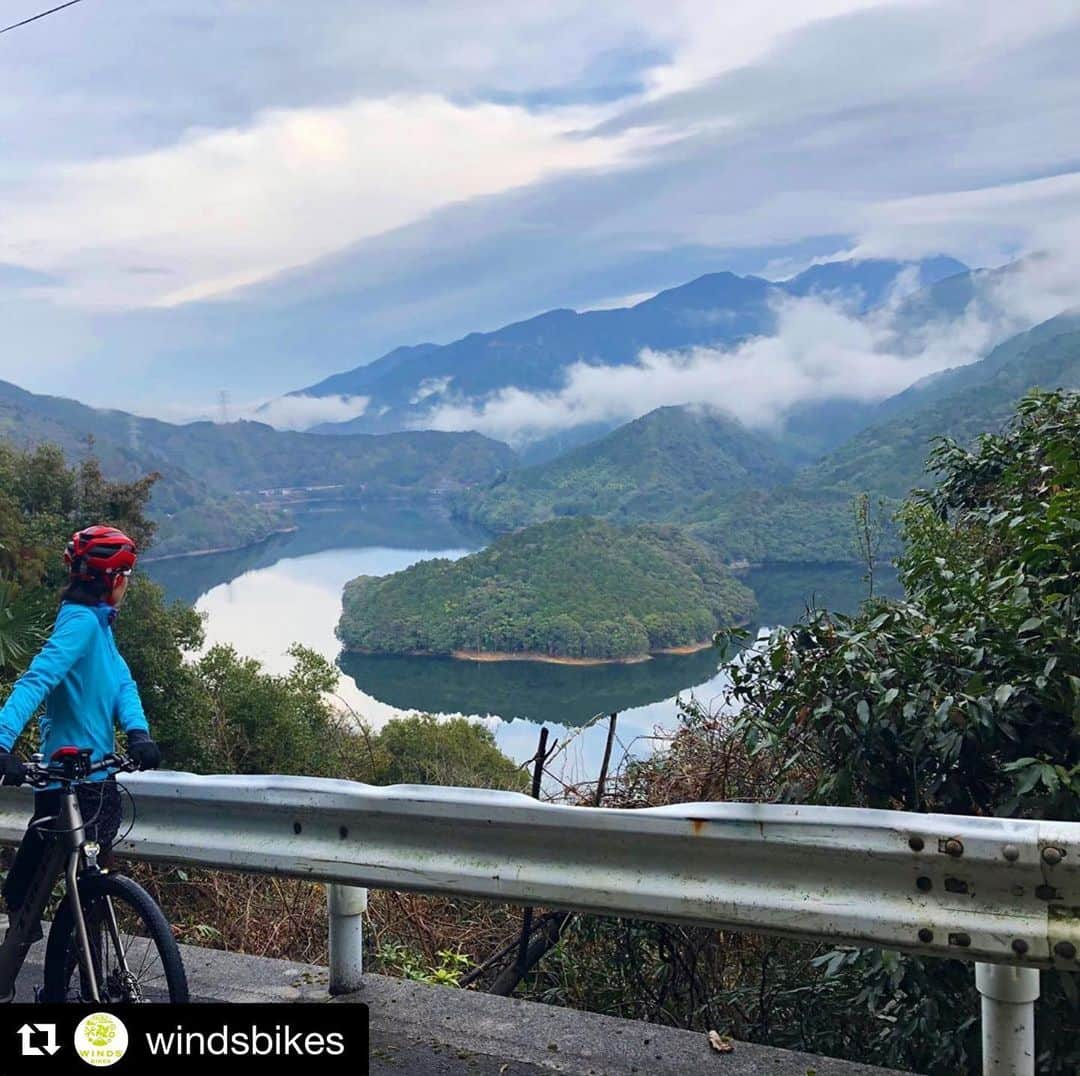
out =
column 346, row 905
column 1008, row 1018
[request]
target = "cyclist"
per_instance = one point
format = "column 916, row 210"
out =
column 86, row 687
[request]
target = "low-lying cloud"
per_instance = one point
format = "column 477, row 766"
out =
column 303, row 412
column 821, row 350
column 429, row 387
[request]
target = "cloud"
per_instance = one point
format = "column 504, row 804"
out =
column 1034, row 214
column 310, row 157
column 429, row 387
column 154, row 74
column 661, row 143
column 619, row 302
column 345, row 130
column 303, row 412
column 225, row 209
column 821, row 350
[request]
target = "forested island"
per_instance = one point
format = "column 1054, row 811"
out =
column 569, row 589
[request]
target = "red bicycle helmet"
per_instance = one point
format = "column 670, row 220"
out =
column 99, row 551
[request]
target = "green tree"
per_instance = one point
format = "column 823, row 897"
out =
column 262, row 723
column 962, row 697
column 157, row 641
column 424, row 750
column 221, row 713
column 22, row 626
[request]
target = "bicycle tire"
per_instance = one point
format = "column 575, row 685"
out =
column 135, row 910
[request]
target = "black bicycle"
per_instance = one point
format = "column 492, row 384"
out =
column 109, row 941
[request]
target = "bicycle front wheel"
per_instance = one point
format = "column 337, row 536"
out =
column 135, row 956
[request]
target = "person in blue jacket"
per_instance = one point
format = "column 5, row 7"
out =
column 86, row 688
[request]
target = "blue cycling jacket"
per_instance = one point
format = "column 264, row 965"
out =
column 84, row 682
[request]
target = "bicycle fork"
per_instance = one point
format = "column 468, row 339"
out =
column 75, row 832
column 78, row 847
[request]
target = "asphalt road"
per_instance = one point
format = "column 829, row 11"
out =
column 421, row 1030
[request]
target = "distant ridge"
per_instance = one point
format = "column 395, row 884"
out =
column 887, row 457
column 772, row 513
column 405, row 386
column 207, row 496
column 650, row 469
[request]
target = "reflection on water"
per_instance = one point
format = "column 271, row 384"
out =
column 535, row 691
column 570, row 695
column 339, row 528
column 288, row 589
column 262, row 612
column 186, row 579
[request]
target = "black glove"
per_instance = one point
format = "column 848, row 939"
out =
column 12, row 769
column 143, row 750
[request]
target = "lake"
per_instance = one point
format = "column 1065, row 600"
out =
column 288, row 589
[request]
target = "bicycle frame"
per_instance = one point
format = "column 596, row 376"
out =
column 64, row 853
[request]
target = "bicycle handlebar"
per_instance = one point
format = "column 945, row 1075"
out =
column 39, row 775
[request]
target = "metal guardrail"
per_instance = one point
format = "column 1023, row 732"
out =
column 989, row 889
column 996, row 891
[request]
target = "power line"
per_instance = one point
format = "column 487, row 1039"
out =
column 34, row 18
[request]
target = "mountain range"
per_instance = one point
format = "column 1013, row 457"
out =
column 734, row 488
column 778, row 495
column 406, row 387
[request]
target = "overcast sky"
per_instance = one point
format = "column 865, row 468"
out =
column 252, row 194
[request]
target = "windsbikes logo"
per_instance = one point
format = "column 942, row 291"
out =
column 168, row 1039
column 101, row 1039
